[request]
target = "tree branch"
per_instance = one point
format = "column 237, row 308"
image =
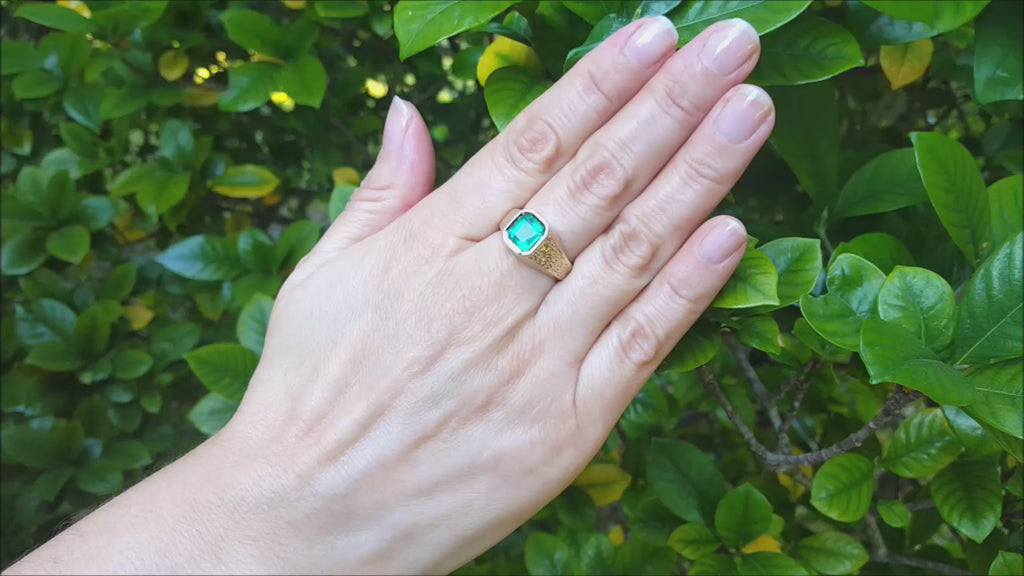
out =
column 742, row 355
column 775, row 461
column 937, row 567
column 799, row 387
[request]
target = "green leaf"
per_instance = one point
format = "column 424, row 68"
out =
column 253, row 31
column 256, row 250
column 1006, row 203
column 249, row 86
column 921, row 302
column 245, row 181
column 82, row 104
column 131, row 364
column 697, row 347
column 998, row 396
column 956, row 190
column 341, row 9
column 49, row 484
column 893, row 354
column 806, row 136
column 594, row 10
column 968, row 495
column 79, row 139
column 19, row 57
column 224, row 368
column 972, row 435
column 53, row 16
column 126, row 15
column 339, row 198
column 998, row 45
column 883, row 250
column 769, row 564
column 939, row 15
column 253, row 321
column 127, row 454
column 843, row 486
column 853, row 285
column 761, row 332
column 118, row 283
column 754, row 283
column 55, row 357
column 742, row 515
column 693, row 541
column 546, row 554
column 798, row 262
column 43, row 448
column 70, row 243
column 423, row 23
column 35, row 84
column 693, row 17
column 295, row 242
column 1007, row 563
column 832, row 552
column 601, row 31
column 202, row 258
column 808, row 49
column 45, row 320
column 922, row 445
column 173, row 341
column 211, row 413
column 684, row 479
column 92, row 330
column 177, row 143
column 94, row 212
column 991, row 317
column 99, row 476
column 509, row 90
column 305, row 80
column 894, row 513
column 714, row 565
column 889, row 181
column 23, row 253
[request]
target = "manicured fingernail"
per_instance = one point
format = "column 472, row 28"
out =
column 651, row 41
column 747, row 109
column 729, row 47
column 723, row 241
column 395, row 125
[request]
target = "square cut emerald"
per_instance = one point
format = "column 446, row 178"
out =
column 525, row 231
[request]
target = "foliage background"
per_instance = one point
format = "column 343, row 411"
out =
column 852, row 403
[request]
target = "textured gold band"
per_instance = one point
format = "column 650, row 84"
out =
column 548, row 256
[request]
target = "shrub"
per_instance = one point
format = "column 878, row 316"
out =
column 851, row 402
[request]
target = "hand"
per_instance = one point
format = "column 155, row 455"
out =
column 422, row 392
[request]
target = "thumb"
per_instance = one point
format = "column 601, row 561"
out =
column 402, row 175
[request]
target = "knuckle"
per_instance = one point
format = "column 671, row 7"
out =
column 629, row 250
column 533, row 146
column 598, row 181
column 637, row 343
column 674, row 100
column 680, row 293
column 701, row 173
column 597, row 87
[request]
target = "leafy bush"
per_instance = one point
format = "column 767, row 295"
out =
column 851, row 402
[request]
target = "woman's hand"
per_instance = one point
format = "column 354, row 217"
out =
column 422, row 392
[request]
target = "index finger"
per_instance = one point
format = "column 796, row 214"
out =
column 544, row 136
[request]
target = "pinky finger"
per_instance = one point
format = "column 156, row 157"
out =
column 643, row 333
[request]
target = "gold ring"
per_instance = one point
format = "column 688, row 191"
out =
column 530, row 238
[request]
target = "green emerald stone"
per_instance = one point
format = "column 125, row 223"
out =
column 525, row 231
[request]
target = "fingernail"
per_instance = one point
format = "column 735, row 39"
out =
column 395, row 125
column 723, row 241
column 651, row 41
column 743, row 114
column 729, row 47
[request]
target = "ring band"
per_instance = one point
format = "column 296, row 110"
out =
column 530, row 238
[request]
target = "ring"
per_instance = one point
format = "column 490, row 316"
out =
column 530, row 238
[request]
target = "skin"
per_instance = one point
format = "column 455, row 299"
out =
column 422, row 392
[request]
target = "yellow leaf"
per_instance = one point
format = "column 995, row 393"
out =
column 905, row 63
column 796, row 489
column 126, row 232
column 245, row 181
column 505, row 52
column 172, row 65
column 604, row 483
column 258, row 57
column 237, row 222
column 200, row 96
column 77, row 6
column 345, row 175
column 273, row 199
column 138, row 315
column 294, row 4
column 616, row 536
column 764, row 543
column 375, row 88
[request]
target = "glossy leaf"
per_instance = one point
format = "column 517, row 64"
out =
column 546, row 554
column 742, row 515
column 253, row 321
column 698, row 346
column 921, row 302
column 991, row 317
column 808, row 49
column 807, row 137
column 904, row 64
column 754, row 283
column 922, row 445
column 509, row 90
column 684, row 479
column 202, row 258
column 305, row 81
column 1007, row 564
column 998, row 396
column 883, row 250
column 224, row 368
column 53, row 16
column 798, row 263
column 832, row 552
column 211, row 413
column 843, row 486
column 1006, row 200
column 998, row 45
column 714, row 565
column 894, row 513
column 245, row 181
column 769, row 564
column 421, row 24
column 99, row 476
column 70, row 243
column 888, row 182
column 693, row 541
column 693, row 17
column 853, row 285
column 939, row 15
column 967, row 494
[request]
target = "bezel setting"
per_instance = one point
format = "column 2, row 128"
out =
column 512, row 246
